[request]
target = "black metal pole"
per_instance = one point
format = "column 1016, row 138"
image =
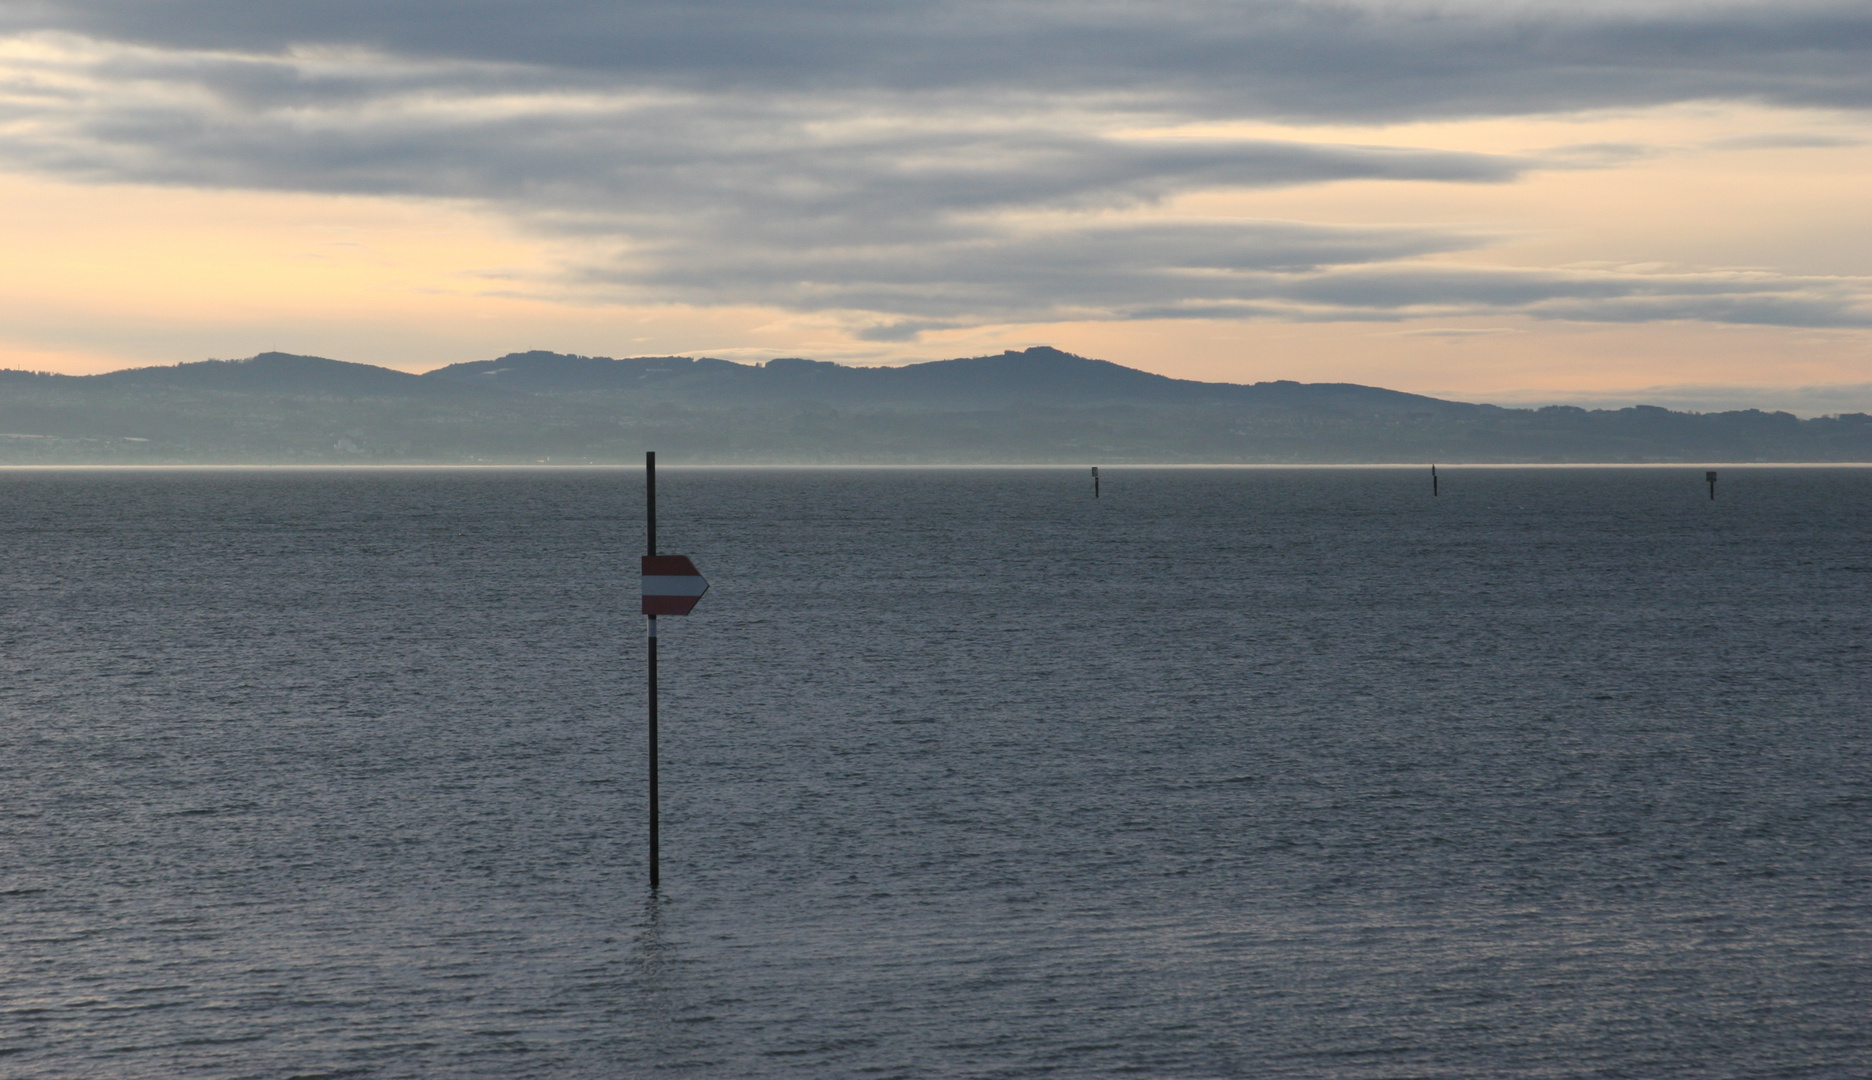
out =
column 1433, row 483
column 1712, row 483
column 1095, row 482
column 650, row 549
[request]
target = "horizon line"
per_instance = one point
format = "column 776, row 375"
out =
column 538, row 467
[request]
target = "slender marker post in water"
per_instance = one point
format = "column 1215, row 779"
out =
column 1433, row 484
column 1711, row 477
column 650, row 553
column 1095, row 481
column 671, row 586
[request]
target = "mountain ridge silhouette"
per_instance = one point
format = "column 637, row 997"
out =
column 1034, row 406
column 1039, row 375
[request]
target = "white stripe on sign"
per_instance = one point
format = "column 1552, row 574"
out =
column 674, row 585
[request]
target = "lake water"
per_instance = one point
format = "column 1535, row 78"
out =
column 1230, row 773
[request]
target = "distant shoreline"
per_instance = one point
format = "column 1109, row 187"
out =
column 1114, row 467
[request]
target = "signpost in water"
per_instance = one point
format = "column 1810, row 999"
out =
column 671, row 586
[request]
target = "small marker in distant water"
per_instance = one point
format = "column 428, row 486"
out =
column 1711, row 477
column 1433, row 483
column 1095, row 493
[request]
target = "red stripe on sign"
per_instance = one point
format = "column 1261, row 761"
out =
column 669, row 605
column 669, row 566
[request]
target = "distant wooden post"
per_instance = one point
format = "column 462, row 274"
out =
column 1711, row 477
column 1095, row 491
column 1433, row 483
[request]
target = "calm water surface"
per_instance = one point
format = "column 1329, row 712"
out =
column 1231, row 773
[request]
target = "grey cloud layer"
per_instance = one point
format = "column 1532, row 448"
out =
column 644, row 166
column 1224, row 57
column 913, row 165
column 1238, row 270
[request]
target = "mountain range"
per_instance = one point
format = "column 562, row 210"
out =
column 1040, row 405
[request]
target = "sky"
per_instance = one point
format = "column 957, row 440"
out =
column 1519, row 202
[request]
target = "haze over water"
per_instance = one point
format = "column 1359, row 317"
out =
column 1261, row 772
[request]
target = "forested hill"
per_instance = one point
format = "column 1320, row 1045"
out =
column 1038, row 376
column 1037, row 406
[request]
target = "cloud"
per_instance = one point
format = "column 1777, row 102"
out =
column 910, row 166
column 1791, row 140
column 363, row 124
column 1224, row 270
column 1285, row 58
column 1596, row 155
column 1020, row 277
column 1401, row 291
column 710, row 200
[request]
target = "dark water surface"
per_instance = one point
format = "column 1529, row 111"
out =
column 1233, row 773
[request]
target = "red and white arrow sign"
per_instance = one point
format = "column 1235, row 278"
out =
column 671, row 585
